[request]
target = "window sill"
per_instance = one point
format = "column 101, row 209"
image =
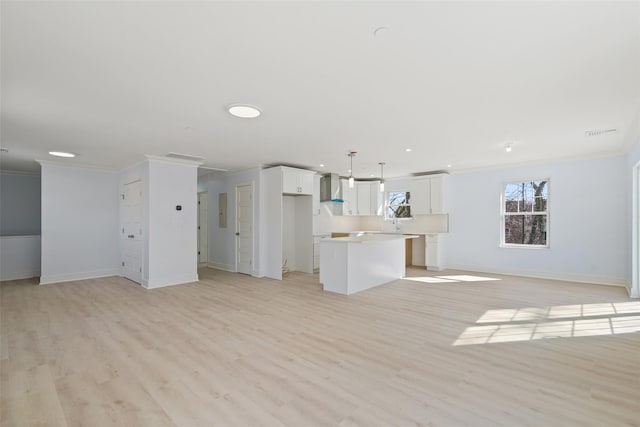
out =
column 529, row 247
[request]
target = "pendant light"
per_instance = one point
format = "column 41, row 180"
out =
column 352, row 180
column 381, row 176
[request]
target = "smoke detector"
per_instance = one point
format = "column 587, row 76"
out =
column 598, row 132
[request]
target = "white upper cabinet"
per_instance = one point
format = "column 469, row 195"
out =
column 350, row 197
column 420, row 196
column 297, row 181
column 316, row 194
column 364, row 198
column 427, row 195
column 369, row 198
column 376, row 199
column 437, row 194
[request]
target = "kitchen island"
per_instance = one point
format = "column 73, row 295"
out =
column 353, row 264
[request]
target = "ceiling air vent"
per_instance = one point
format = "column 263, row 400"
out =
column 185, row 157
column 598, row 132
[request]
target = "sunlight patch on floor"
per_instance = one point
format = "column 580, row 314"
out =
column 467, row 278
column 450, row 279
column 560, row 312
column 427, row 279
column 535, row 323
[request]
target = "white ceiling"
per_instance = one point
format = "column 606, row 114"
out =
column 453, row 81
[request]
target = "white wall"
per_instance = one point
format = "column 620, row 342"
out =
column 588, row 228
column 19, row 257
column 222, row 241
column 19, row 205
column 79, row 223
column 173, row 234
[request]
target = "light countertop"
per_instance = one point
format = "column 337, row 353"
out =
column 370, row 238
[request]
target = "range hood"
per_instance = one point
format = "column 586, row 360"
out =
column 330, row 188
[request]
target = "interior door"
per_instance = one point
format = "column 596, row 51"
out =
column 132, row 231
column 203, row 235
column 244, row 229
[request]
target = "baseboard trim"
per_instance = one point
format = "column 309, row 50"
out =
column 19, row 275
column 155, row 284
column 592, row 280
column 221, row 266
column 61, row 278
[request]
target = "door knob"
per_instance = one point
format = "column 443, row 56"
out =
column 131, row 236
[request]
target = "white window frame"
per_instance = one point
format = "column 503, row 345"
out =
column 386, row 206
column 504, row 214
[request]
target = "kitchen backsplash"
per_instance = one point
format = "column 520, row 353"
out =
column 325, row 223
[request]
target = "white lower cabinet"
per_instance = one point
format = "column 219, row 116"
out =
column 433, row 255
column 316, row 251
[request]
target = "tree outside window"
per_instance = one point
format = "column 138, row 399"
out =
column 525, row 214
column 399, row 204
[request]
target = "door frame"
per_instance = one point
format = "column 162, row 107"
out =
column 206, row 225
column 236, row 228
column 122, row 221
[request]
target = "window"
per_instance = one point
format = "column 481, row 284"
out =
column 399, row 204
column 525, row 213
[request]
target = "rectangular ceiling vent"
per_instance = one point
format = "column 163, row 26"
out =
column 598, row 132
column 185, row 157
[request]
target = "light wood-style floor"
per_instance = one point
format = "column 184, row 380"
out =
column 235, row 350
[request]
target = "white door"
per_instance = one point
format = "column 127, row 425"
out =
column 244, row 229
column 203, row 236
column 131, row 232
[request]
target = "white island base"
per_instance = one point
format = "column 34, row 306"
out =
column 353, row 264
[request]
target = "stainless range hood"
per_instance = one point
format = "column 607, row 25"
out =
column 330, row 188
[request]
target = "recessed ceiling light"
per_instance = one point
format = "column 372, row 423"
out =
column 61, row 154
column 448, row 166
column 321, row 165
column 408, row 150
column 243, row 111
column 508, row 147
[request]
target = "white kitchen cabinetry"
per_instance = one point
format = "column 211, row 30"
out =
column 376, row 199
column 316, row 194
column 297, row 181
column 369, row 198
column 427, row 195
column 288, row 223
column 350, row 197
column 433, row 252
column 436, row 187
column 316, row 251
column 364, row 198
